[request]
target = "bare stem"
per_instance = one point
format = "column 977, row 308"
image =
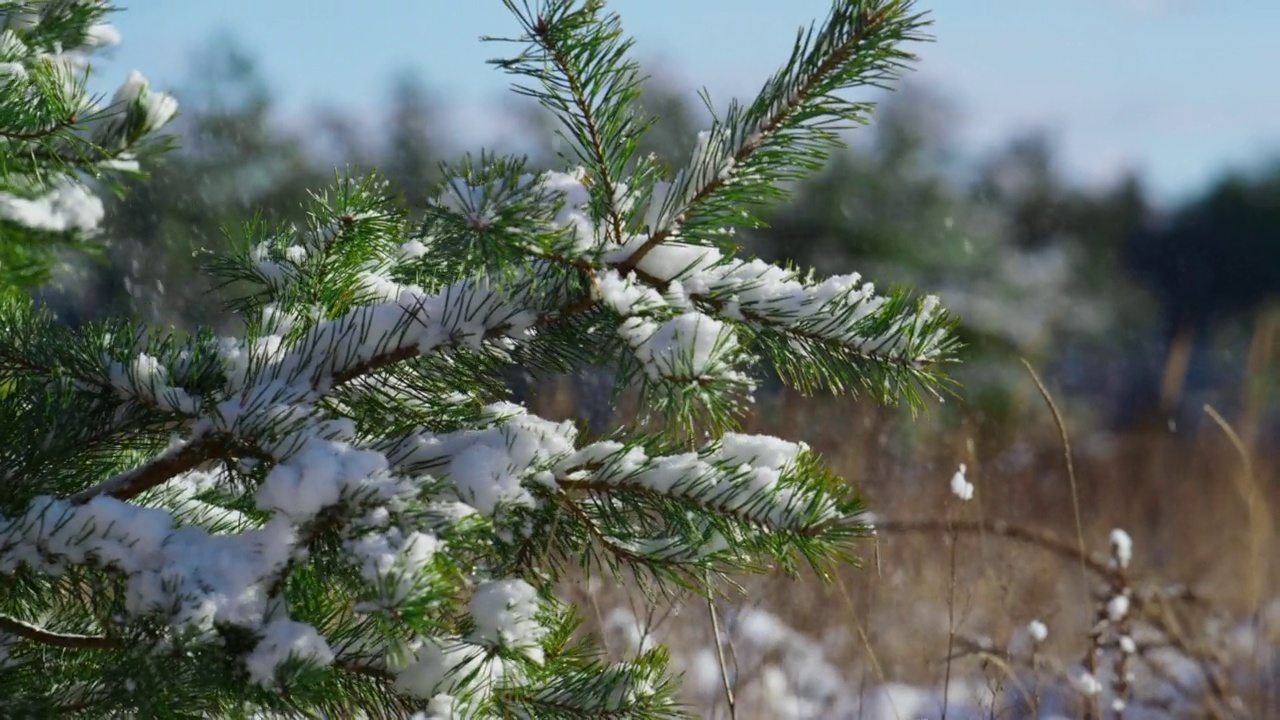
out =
column 26, row 630
column 157, row 472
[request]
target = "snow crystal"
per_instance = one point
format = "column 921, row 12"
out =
column 1127, row 645
column 487, row 467
column 148, row 380
column 1121, row 547
column 441, row 707
column 690, row 346
column 762, row 451
column 179, row 495
column 1084, row 682
column 960, row 487
column 296, row 254
column 191, row 576
column 1038, row 631
column 158, row 108
column 379, row 287
column 626, row 296
column 574, row 214
column 102, row 35
column 413, row 250
column 1118, row 607
column 484, row 478
column 671, row 260
column 316, row 476
column 394, row 564
column 438, row 666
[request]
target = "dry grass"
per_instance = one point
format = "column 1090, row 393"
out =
column 970, row 576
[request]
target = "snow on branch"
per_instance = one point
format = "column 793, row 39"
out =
column 53, row 130
column 741, row 476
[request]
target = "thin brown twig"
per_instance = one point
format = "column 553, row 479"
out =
column 160, row 470
column 1154, row 607
column 1260, row 529
column 1090, row 665
column 1043, row 539
column 1066, row 452
column 954, row 538
column 724, row 665
column 73, row 641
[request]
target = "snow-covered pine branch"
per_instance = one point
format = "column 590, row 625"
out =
column 337, row 511
column 55, row 137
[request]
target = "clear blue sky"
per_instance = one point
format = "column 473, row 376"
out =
column 1176, row 88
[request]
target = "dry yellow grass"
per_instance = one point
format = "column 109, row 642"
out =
column 947, row 578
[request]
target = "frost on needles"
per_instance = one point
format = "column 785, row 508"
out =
column 337, row 514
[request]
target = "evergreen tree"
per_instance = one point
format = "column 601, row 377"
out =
column 337, row 515
column 56, row 140
column 412, row 155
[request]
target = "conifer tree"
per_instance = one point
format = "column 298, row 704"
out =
column 336, row 514
column 56, row 138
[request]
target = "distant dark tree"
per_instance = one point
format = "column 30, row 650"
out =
column 233, row 158
column 412, row 154
column 1211, row 264
column 1022, row 178
column 1216, row 257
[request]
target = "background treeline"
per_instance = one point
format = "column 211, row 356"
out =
column 1137, row 313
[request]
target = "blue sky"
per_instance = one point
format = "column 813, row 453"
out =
column 1177, row 89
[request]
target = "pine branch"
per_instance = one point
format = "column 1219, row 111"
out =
column 159, row 471
column 71, row 641
column 589, row 119
column 868, row 21
column 38, row 134
column 719, row 506
column 580, row 60
column 368, row 671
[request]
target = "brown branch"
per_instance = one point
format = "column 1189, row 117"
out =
column 26, row 630
column 157, row 472
column 356, row 668
column 39, row 134
column 625, row 554
column 866, row 24
column 1043, row 539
